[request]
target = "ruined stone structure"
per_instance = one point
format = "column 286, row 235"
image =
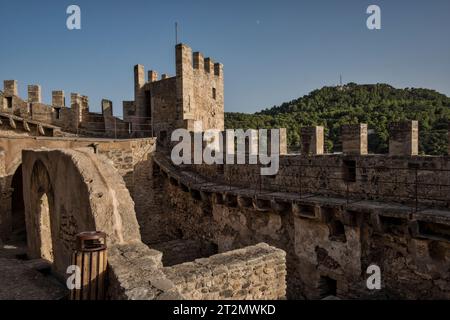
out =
column 223, row 231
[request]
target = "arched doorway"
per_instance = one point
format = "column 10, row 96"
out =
column 42, row 213
column 45, row 228
column 18, row 227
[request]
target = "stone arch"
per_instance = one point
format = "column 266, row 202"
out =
column 17, row 206
column 45, row 234
column 42, row 210
column 84, row 193
column 9, row 185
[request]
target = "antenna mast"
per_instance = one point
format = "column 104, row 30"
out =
column 176, row 33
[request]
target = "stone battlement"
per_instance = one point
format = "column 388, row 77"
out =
column 221, row 230
column 195, row 93
column 73, row 119
column 329, row 240
column 403, row 139
column 159, row 106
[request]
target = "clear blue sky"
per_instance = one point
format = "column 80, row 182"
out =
column 273, row 51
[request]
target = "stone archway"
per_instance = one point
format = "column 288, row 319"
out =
column 42, row 211
column 71, row 191
column 45, row 228
column 18, row 228
column 12, row 212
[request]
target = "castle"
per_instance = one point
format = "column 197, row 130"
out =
column 159, row 105
column 220, row 231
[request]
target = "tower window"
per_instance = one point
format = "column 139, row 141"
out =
column 148, row 105
column 9, row 102
column 214, row 93
column 58, row 113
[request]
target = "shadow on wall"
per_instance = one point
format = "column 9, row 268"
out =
column 17, row 208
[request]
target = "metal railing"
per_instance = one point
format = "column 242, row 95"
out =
column 416, row 187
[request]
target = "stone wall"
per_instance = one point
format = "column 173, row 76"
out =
column 329, row 241
column 202, row 91
column 371, row 177
column 196, row 93
column 131, row 158
column 54, row 214
column 136, row 273
column 75, row 119
column 253, row 273
column 163, row 103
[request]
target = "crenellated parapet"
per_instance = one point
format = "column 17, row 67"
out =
column 73, row 119
column 354, row 139
column 199, row 61
column 10, row 88
column 230, row 146
column 207, row 64
column 401, row 176
column 333, row 237
column 152, row 76
column 312, row 139
column 199, row 88
column 58, row 98
column 195, row 93
column 404, row 138
column 34, row 94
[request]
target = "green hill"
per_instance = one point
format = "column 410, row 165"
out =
column 377, row 105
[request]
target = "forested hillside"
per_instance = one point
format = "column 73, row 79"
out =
column 377, row 105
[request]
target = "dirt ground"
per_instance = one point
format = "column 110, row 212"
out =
column 22, row 279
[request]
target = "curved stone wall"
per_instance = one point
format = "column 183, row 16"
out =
column 82, row 193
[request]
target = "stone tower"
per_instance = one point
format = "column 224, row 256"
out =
column 195, row 93
column 200, row 95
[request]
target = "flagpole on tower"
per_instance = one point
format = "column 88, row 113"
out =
column 176, row 33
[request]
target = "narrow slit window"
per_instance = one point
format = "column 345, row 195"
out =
column 58, row 113
column 9, row 102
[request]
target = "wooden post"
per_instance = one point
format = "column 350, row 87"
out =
column 90, row 256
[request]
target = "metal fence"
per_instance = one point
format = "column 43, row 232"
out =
column 419, row 188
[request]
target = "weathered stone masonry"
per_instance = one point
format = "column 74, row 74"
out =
column 131, row 158
column 102, row 202
column 73, row 184
column 256, row 272
column 198, row 231
column 195, row 93
column 334, row 215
